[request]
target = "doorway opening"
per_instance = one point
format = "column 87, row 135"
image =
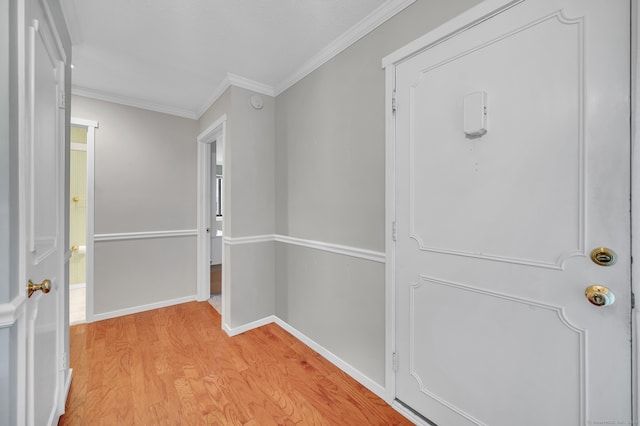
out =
column 215, row 280
column 211, row 216
column 82, row 134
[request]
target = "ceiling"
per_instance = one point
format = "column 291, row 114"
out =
column 178, row 56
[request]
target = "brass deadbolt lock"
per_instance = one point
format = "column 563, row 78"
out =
column 603, row 256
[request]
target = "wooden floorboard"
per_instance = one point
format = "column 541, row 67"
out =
column 175, row 366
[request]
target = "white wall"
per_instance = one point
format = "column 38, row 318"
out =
column 145, row 180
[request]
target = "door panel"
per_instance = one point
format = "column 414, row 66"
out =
column 43, row 171
column 466, row 178
column 44, row 231
column 494, row 232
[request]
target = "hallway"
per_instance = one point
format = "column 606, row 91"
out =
column 163, row 367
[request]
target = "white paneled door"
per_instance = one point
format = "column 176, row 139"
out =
column 512, row 166
column 42, row 214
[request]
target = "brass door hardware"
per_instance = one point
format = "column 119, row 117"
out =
column 603, row 256
column 75, row 199
column 74, row 248
column 44, row 286
column 599, row 295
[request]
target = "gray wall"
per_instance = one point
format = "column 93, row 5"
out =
column 330, row 177
column 250, row 166
column 336, row 300
column 221, row 106
column 249, row 203
column 145, row 180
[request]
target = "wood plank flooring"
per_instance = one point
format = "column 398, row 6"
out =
column 175, row 366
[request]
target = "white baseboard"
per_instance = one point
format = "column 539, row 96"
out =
column 246, row 327
column 328, row 355
column 335, row 360
column 142, row 308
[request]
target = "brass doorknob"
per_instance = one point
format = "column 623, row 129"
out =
column 599, row 295
column 44, row 286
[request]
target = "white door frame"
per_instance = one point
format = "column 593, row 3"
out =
column 472, row 17
column 216, row 132
column 91, row 126
column 635, row 199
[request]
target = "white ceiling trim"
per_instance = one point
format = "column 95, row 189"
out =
column 372, row 21
column 245, row 83
column 136, row 103
column 237, row 81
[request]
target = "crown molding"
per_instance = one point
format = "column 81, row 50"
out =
column 361, row 29
column 252, row 85
column 236, row 81
column 132, row 102
column 372, row 21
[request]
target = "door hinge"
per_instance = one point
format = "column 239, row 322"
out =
column 633, row 300
column 64, row 361
column 394, row 105
column 393, row 231
column 61, row 100
column 394, row 361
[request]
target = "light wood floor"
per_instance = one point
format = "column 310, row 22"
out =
column 175, row 366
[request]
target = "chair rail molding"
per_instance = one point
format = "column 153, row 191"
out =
column 145, row 235
column 357, row 252
column 10, row 312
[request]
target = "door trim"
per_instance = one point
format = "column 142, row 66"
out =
column 212, row 134
column 635, row 200
column 470, row 18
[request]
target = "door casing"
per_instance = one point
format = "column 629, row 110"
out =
column 216, row 132
column 474, row 16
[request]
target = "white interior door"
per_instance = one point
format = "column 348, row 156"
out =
column 494, row 232
column 44, row 220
